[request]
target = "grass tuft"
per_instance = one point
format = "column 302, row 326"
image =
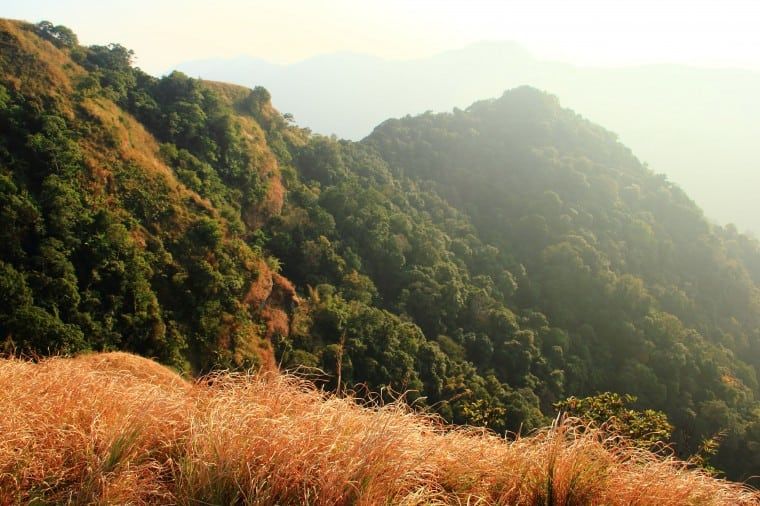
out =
column 119, row 429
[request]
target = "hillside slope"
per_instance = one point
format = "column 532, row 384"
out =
column 487, row 263
column 697, row 125
column 116, row 236
column 651, row 299
column 118, row 429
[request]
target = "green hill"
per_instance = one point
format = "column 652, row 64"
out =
column 488, row 262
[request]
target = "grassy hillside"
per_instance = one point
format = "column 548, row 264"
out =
column 118, row 429
column 489, row 262
column 117, row 237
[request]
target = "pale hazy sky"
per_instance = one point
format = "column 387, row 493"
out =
column 609, row 32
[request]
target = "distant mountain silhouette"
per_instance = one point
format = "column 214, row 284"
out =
column 697, row 125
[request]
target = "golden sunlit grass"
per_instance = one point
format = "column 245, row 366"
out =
column 48, row 73
column 119, row 429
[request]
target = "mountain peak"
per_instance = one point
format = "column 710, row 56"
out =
column 491, row 263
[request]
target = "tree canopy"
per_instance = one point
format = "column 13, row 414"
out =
column 487, row 263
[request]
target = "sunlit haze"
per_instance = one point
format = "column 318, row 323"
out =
column 271, row 44
column 380, row 252
column 164, row 33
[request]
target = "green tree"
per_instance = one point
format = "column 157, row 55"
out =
column 645, row 428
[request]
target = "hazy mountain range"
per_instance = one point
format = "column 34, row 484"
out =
column 491, row 263
column 697, row 125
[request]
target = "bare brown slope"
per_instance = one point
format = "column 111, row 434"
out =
column 118, row 429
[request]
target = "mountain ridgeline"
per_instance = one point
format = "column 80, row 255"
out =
column 489, row 262
column 668, row 114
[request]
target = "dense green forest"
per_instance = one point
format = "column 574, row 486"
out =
column 486, row 263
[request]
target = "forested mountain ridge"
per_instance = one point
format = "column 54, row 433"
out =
column 666, row 113
column 104, row 245
column 490, row 262
column 653, row 299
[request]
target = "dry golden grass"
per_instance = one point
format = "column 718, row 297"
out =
column 36, row 66
column 132, row 144
column 118, row 429
column 232, row 94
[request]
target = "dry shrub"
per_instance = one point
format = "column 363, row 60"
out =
column 251, row 349
column 283, row 291
column 275, row 197
column 119, row 429
column 276, row 321
column 261, row 288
